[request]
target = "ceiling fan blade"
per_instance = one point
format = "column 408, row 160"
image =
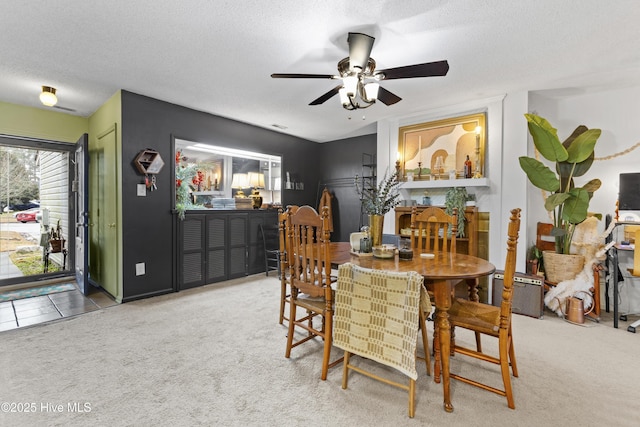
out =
column 302, row 76
column 326, row 96
column 386, row 97
column 360, row 46
column 428, row 69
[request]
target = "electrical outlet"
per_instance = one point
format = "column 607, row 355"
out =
column 140, row 269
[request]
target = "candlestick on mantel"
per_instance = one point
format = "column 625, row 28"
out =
column 477, row 173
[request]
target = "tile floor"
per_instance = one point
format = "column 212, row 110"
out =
column 30, row 311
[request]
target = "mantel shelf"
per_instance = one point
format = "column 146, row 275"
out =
column 445, row 183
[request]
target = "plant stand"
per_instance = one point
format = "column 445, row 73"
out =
column 45, row 259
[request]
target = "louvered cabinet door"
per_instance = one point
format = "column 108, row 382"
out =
column 237, row 235
column 216, row 248
column 192, row 252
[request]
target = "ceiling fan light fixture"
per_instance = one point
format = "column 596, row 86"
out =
column 351, row 84
column 48, row 96
column 344, row 98
column 371, row 91
column 360, row 88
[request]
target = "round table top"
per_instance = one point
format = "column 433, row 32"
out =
column 443, row 265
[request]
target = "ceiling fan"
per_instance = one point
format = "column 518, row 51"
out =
column 360, row 87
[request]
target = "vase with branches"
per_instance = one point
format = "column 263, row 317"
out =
column 378, row 200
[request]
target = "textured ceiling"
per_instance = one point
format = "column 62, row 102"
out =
column 217, row 56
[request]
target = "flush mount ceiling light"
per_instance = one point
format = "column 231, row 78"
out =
column 48, row 96
column 360, row 86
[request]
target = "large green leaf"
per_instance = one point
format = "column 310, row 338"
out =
column 576, row 206
column 577, row 131
column 555, row 200
column 592, row 186
column 545, row 138
column 539, row 174
column 564, row 168
column 582, row 147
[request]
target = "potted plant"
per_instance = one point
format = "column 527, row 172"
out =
column 377, row 201
column 567, row 202
column 56, row 240
column 188, row 178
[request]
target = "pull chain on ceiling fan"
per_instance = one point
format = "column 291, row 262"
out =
column 360, row 86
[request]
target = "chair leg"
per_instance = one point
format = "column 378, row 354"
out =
column 283, row 300
column 412, row 397
column 327, row 325
column 425, row 341
column 345, row 369
column 436, row 354
column 504, row 369
column 292, row 317
column 478, row 342
column 472, row 285
column 512, row 355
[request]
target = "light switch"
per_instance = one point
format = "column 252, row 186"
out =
column 142, row 190
column 140, row 269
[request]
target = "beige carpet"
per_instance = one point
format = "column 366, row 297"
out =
column 214, row 356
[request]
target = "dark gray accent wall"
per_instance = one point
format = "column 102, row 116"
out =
column 148, row 223
column 341, row 162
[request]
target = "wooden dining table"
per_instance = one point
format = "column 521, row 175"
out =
column 443, row 270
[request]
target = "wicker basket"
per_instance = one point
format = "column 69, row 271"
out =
column 559, row 267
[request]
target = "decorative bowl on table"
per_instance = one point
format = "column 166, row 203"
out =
column 384, row 251
column 405, row 253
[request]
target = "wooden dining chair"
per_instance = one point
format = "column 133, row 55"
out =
column 310, row 280
column 269, row 235
column 284, row 237
column 377, row 316
column 433, row 230
column 493, row 321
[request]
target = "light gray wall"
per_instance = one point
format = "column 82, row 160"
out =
column 615, row 112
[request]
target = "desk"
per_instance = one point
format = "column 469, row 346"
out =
column 613, row 271
column 444, row 270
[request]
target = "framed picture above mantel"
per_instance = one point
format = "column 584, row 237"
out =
column 447, row 149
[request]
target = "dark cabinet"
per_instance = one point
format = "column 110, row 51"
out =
column 192, row 240
column 220, row 245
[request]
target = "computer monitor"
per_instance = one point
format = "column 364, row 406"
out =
column 629, row 195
